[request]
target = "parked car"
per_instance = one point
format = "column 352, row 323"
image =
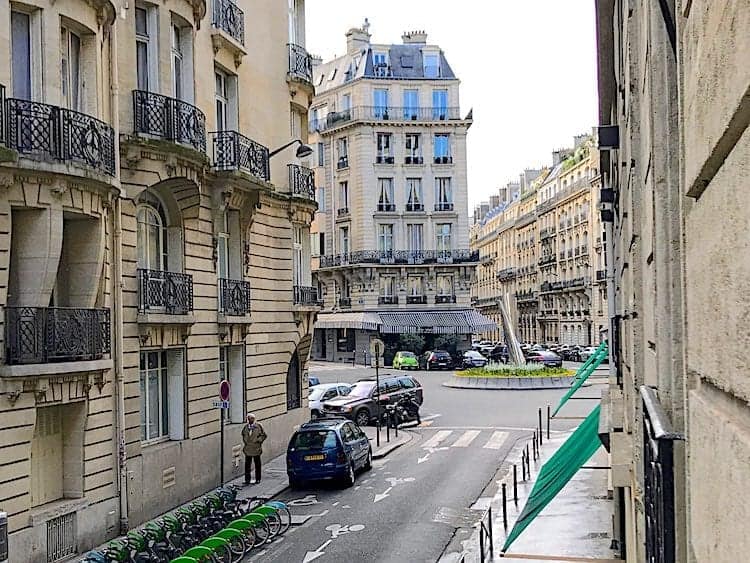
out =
column 586, row 352
column 549, row 359
column 435, row 359
column 312, row 380
column 500, row 354
column 361, row 405
column 331, row 448
column 405, row 360
column 325, row 392
column 473, row 359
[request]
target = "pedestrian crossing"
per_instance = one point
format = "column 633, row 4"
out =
column 444, row 439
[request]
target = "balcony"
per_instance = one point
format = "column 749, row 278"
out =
column 386, row 207
column 230, row 19
column 413, row 160
column 549, row 232
column 169, row 293
column 506, row 274
column 442, row 160
column 343, row 162
column 387, row 300
column 444, row 206
column 442, row 299
column 601, row 275
column 384, row 159
column 41, row 335
column 405, row 257
column 301, row 181
column 342, row 212
column 546, row 260
column 169, row 119
column 570, row 253
column 416, row 300
column 562, row 255
column 300, row 64
column 383, row 113
column 345, row 302
column 307, row 296
column 231, row 150
column 415, row 207
column 234, row 297
column 526, row 296
column 46, row 132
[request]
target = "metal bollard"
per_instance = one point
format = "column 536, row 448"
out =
column 540, row 426
column 388, row 427
column 505, row 507
column 515, row 483
column 548, row 411
column 492, row 549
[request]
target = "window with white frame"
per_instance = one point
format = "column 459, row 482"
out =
column 443, row 233
column 346, row 102
column 25, row 49
column 387, row 286
column 177, row 61
column 232, row 369
column 414, row 200
column 320, row 197
column 414, row 236
column 413, row 148
column 443, row 194
column 442, row 148
column 411, row 104
column 301, row 257
column 344, row 239
column 321, row 154
column 385, row 237
column 416, row 286
column 380, row 103
column 70, row 70
column 385, row 190
column 431, row 63
column 444, row 284
column 296, row 34
column 384, row 149
column 161, row 374
column 343, row 152
column 222, row 243
column 226, row 100
column 380, row 63
column 440, row 104
column 146, row 48
column 343, row 196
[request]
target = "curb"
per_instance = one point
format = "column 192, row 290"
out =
column 389, row 448
column 510, row 383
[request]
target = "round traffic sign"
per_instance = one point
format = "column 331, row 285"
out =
column 224, row 389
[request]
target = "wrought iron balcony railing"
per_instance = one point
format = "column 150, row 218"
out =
column 300, row 63
column 442, row 159
column 416, row 300
column 40, row 335
column 169, row 119
column 301, row 181
column 413, row 160
column 234, row 297
column 228, row 17
column 231, row 150
column 306, row 295
column 444, row 206
column 601, row 275
column 414, row 207
column 46, row 131
column 345, row 302
column 384, row 113
column 444, row 299
column 547, row 287
column 415, row 257
column 164, row 292
column 506, row 274
column 549, row 259
column 388, row 300
column 384, row 159
column 343, row 162
column 342, row 212
column 386, row 207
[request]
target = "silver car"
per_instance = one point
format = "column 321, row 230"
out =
column 325, row 392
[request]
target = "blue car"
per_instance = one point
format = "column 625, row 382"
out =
column 327, row 448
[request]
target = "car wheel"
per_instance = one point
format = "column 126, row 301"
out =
column 314, row 414
column 349, row 478
column 368, row 463
column 362, row 418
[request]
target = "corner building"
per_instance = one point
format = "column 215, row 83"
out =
column 151, row 246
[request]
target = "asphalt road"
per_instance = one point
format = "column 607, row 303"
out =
column 409, row 506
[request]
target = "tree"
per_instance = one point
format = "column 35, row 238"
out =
column 411, row 342
column 449, row 343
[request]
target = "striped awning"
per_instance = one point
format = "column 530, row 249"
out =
column 361, row 320
column 464, row 321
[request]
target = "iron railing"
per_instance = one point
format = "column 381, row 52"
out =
column 228, row 17
column 345, row 302
column 561, row 285
column 414, row 207
column 341, row 212
column 164, row 292
column 2, row 114
column 601, row 275
column 388, row 300
column 439, row 299
column 301, row 181
column 549, row 259
column 234, row 297
column 231, row 150
column 400, row 257
column 343, row 162
column 47, row 131
column 413, row 160
column 486, row 541
column 444, row 206
column 384, row 159
column 442, row 159
column 658, row 479
column 386, row 207
column 384, row 113
column 506, row 274
column 62, row 537
column 169, row 118
column 416, row 300
column 306, row 295
column 40, row 335
column 300, row 63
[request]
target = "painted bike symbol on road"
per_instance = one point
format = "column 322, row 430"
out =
column 309, row 500
column 338, row 530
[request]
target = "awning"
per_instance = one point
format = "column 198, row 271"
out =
column 364, row 321
column 583, row 373
column 556, row 473
column 463, row 321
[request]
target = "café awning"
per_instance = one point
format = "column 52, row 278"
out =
column 360, row 320
column 462, row 321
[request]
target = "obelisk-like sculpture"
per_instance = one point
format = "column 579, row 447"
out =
column 514, row 347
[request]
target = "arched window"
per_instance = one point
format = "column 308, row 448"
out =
column 152, row 236
column 585, row 239
column 293, row 384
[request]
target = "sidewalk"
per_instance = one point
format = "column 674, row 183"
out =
column 574, row 527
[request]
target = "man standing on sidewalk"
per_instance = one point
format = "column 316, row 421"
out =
column 253, row 436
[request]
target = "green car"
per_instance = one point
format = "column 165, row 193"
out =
column 405, row 360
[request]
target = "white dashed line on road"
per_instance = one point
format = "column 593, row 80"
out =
column 466, row 439
column 496, row 441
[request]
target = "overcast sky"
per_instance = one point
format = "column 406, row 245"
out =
column 528, row 68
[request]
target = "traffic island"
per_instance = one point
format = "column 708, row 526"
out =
column 508, row 377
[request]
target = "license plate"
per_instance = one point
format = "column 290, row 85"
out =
column 319, row 457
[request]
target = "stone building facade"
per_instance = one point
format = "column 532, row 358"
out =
column 152, row 245
column 543, row 252
column 674, row 90
column 390, row 248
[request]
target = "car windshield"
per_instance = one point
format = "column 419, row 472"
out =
column 472, row 354
column 362, row 389
column 317, row 393
column 315, row 440
column 407, row 354
column 441, row 353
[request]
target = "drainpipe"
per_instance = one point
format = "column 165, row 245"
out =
column 119, row 389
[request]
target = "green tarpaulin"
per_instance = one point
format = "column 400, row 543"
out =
column 583, row 373
column 560, row 468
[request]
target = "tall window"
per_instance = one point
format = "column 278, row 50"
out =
column 416, row 286
column 154, row 395
column 177, row 62
column 71, row 68
column 295, row 34
column 222, row 101
column 223, row 248
column 385, row 201
column 144, row 45
column 384, row 148
column 380, row 103
column 346, row 102
column 443, row 194
column 152, row 237
column 344, row 239
column 320, row 197
column 439, row 104
column 344, row 195
column 414, row 236
column 431, row 65
column 380, row 64
column 343, row 150
column 321, row 154
column 411, row 104
column 413, row 148
column 414, row 194
column 21, row 51
column 298, row 260
column 385, row 237
column 387, row 285
column 442, row 148
column 444, row 284
column 443, row 237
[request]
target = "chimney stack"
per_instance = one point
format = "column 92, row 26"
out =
column 414, row 38
column 357, row 39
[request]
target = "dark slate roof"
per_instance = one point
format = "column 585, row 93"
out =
column 406, row 62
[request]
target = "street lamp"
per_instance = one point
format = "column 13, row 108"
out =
column 302, row 151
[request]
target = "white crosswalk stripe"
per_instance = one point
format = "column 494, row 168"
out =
column 437, row 438
column 466, row 438
column 496, row 441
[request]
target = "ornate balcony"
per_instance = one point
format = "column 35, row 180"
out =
column 300, row 63
column 306, row 296
column 234, row 297
column 384, row 159
column 231, row 150
column 228, row 17
column 383, row 113
column 506, row 274
column 386, row 207
column 340, row 213
column 301, row 181
column 442, row 159
column 345, row 302
column 441, row 299
column 51, row 132
column 406, row 257
column 413, row 160
column 601, row 275
column 387, row 300
column 343, row 162
column 40, row 335
column 416, row 300
column 415, row 207
column 170, row 293
column 444, row 206
column 169, row 119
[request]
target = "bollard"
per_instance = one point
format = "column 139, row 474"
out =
column 388, row 427
column 540, row 426
column 523, row 467
column 548, row 411
column 505, row 507
column 492, row 549
column 515, row 483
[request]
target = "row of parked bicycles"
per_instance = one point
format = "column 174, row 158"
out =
column 217, row 528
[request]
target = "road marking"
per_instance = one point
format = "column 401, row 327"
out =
column 466, row 439
column 426, row 423
column 384, row 494
column 309, row 500
column 437, row 438
column 431, row 416
column 496, row 441
column 313, row 555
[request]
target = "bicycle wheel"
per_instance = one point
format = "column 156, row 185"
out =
column 286, row 518
column 274, row 524
column 222, row 555
column 237, row 547
column 262, row 533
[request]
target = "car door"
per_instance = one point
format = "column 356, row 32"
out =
column 347, row 437
column 364, row 442
column 351, row 434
